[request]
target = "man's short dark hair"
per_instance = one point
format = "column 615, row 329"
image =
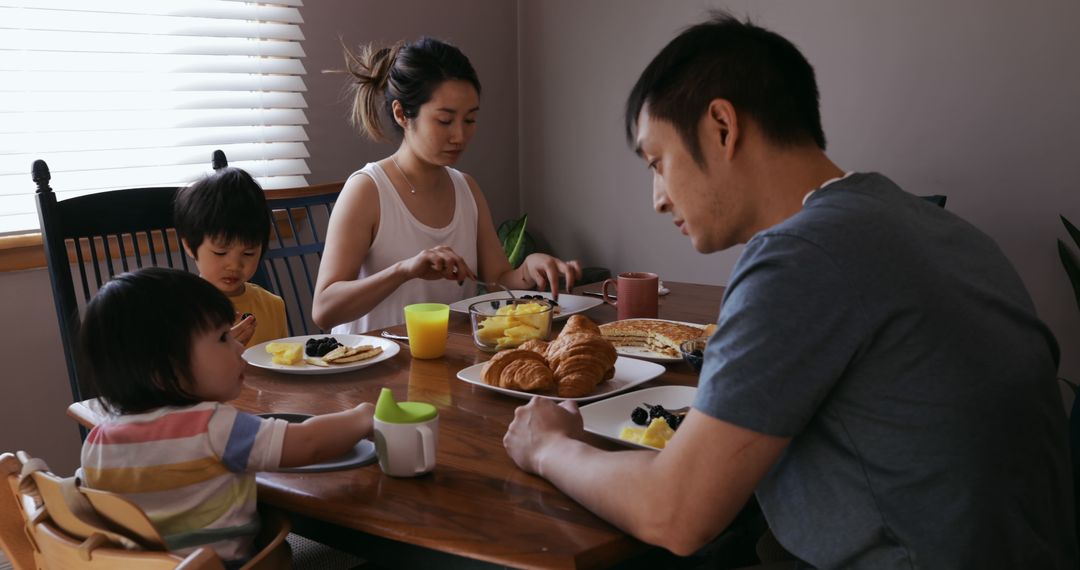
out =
column 762, row 74
column 134, row 345
column 227, row 205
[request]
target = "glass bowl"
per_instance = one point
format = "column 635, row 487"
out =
column 693, row 352
column 506, row 323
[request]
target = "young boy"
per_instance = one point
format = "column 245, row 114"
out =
column 224, row 225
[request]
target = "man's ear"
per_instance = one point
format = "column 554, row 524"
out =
column 187, row 248
column 723, row 121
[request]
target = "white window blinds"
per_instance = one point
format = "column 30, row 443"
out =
column 122, row 93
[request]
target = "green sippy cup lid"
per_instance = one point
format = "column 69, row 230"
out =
column 387, row 409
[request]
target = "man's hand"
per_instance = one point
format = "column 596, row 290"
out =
column 245, row 329
column 536, row 426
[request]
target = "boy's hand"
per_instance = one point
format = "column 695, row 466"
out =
column 245, row 329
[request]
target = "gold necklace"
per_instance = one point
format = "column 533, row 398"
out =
column 412, row 189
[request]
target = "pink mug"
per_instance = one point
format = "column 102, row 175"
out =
column 636, row 295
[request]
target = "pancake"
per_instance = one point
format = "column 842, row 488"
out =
column 661, row 337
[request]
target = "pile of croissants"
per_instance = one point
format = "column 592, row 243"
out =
column 572, row 365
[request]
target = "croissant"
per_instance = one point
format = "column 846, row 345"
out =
column 518, row 370
column 580, row 324
column 536, row 345
column 527, row 375
column 580, row 361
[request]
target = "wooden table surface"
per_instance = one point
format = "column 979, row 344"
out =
column 476, row 504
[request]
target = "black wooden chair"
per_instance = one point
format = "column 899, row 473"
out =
column 291, row 262
column 96, row 237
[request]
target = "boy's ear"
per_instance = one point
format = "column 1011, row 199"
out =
column 187, row 248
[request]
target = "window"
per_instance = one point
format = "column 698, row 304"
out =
column 121, row 93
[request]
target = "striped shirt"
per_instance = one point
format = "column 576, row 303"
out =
column 191, row 469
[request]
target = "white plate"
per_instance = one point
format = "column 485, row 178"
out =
column 646, row 354
column 568, row 304
column 628, row 373
column 608, row 418
column 258, row 357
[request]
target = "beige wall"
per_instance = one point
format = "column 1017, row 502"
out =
column 976, row 100
column 971, row 99
column 485, row 30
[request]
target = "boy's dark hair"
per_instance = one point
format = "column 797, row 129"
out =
column 134, row 345
column 227, row 204
column 762, row 74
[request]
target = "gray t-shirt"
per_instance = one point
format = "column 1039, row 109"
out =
column 899, row 349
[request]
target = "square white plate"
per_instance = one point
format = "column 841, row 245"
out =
column 568, row 304
column 258, row 357
column 609, row 417
column 629, row 372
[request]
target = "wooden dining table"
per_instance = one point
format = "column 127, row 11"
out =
column 476, row 508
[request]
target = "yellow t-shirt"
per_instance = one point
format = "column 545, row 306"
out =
column 269, row 311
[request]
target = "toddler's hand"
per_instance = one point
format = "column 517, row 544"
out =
column 365, row 415
column 245, row 329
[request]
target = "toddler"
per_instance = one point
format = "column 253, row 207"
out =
column 224, row 226
column 156, row 344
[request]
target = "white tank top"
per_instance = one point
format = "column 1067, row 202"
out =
column 401, row 236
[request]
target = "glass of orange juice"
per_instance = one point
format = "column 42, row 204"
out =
column 426, row 325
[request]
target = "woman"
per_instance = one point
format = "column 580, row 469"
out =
column 409, row 228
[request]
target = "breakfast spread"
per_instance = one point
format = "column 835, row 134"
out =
column 322, row 352
column 661, row 337
column 572, row 365
column 514, row 324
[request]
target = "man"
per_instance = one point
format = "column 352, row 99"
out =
column 878, row 376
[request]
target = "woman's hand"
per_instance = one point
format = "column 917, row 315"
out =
column 245, row 329
column 536, row 425
column 439, row 262
column 543, row 271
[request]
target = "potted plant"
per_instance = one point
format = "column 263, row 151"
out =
column 1069, row 259
column 518, row 244
column 1072, row 269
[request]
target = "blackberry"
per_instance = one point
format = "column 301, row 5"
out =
column 640, row 417
column 320, row 346
column 657, row 411
column 541, row 298
column 673, row 421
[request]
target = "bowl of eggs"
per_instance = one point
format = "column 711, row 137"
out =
column 507, row 323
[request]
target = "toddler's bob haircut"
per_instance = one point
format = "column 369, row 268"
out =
column 134, row 346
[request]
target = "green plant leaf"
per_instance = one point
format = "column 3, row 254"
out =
column 1075, row 233
column 1072, row 268
column 513, row 241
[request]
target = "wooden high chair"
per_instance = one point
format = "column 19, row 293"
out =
column 48, row 522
